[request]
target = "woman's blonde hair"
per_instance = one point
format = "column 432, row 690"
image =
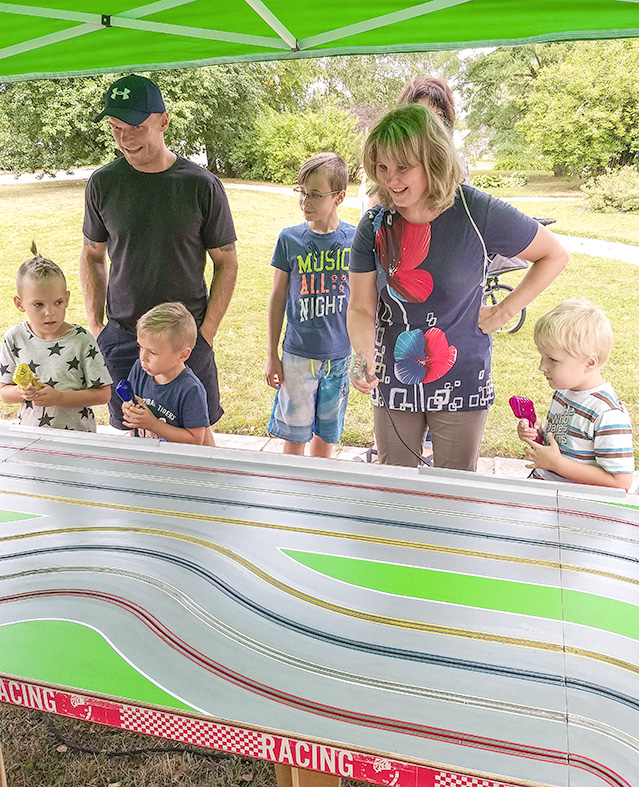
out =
column 578, row 327
column 413, row 135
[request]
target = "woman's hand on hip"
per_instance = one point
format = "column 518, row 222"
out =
column 492, row 318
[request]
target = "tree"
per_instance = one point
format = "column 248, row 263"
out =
column 377, row 80
column 583, row 112
column 47, row 124
column 212, row 108
column 291, row 85
column 495, row 88
column 369, row 85
column 284, row 141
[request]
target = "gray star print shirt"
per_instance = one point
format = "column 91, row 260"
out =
column 69, row 363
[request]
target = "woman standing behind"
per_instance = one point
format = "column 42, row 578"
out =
column 417, row 274
column 434, row 94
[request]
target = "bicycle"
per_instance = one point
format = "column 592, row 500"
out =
column 495, row 291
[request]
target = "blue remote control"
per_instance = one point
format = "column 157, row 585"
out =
column 124, row 390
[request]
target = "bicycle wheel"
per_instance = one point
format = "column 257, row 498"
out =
column 495, row 294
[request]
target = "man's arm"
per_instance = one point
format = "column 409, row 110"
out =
column 93, row 280
column 222, row 286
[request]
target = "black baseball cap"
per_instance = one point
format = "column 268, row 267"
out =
column 132, row 99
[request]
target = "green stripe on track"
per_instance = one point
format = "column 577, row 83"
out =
column 621, row 505
column 73, row 655
column 16, row 516
column 519, row 598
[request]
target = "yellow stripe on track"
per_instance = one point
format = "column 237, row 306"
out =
column 388, row 542
column 305, row 597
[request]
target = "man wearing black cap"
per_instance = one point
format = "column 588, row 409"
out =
column 156, row 215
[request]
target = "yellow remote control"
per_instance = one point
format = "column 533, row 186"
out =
column 23, row 376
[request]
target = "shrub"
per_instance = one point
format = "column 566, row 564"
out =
column 283, row 142
column 616, row 191
column 487, row 181
column 528, row 162
column 515, row 181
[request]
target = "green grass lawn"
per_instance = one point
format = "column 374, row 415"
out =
column 574, row 219
column 568, row 206
column 540, row 184
column 51, row 213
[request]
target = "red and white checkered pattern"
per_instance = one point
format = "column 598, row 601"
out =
column 195, row 732
column 459, row 780
column 236, row 740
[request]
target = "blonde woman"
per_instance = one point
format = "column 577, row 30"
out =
column 417, row 274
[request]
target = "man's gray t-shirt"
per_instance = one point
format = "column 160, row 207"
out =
column 157, row 227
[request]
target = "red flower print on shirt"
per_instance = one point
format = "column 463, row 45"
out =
column 401, row 247
column 423, row 357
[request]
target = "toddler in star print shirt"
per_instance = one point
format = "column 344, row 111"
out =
column 64, row 357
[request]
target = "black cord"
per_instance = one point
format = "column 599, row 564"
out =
column 214, row 755
column 357, row 370
column 423, row 461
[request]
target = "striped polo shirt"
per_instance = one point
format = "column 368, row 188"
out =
column 590, row 426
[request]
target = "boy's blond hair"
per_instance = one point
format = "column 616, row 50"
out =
column 578, row 327
column 172, row 319
column 38, row 269
column 334, row 166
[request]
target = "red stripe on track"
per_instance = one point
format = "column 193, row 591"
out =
column 328, row 711
column 338, row 484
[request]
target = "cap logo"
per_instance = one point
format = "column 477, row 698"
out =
column 124, row 93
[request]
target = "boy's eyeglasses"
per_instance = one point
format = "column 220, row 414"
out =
column 313, row 196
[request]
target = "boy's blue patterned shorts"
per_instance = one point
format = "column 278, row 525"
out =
column 312, row 400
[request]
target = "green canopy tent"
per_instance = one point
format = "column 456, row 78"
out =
column 74, row 37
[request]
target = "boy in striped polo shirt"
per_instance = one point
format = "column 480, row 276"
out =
column 587, row 434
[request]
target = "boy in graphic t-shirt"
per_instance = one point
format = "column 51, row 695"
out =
column 68, row 376
column 169, row 400
column 310, row 286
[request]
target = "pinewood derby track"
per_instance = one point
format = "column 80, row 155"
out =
column 395, row 626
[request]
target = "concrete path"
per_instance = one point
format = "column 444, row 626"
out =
column 83, row 173
column 601, row 248
column 595, row 248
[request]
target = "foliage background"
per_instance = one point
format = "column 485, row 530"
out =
column 582, row 112
column 572, row 107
